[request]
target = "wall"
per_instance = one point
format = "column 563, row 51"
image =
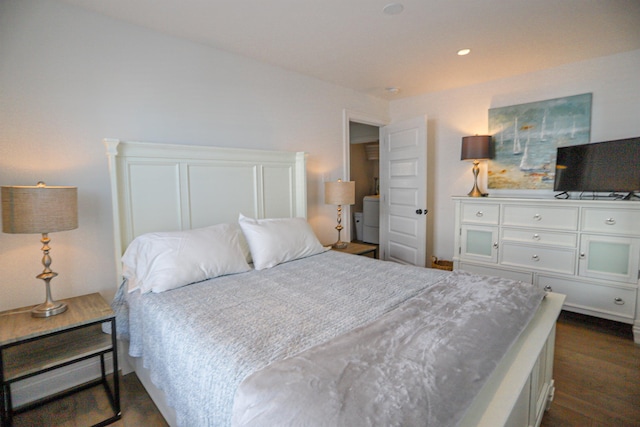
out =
column 69, row 78
column 614, row 82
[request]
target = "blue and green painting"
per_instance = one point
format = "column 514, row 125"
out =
column 526, row 136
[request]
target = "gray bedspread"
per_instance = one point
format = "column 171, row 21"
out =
column 201, row 341
column 419, row 365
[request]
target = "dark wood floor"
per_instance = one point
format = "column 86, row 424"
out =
column 597, row 373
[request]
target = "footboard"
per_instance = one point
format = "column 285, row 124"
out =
column 521, row 388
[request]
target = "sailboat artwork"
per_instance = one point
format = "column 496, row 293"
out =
column 517, row 148
column 526, row 138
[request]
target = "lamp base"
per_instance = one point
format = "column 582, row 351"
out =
column 48, row 309
column 475, row 191
column 340, row 245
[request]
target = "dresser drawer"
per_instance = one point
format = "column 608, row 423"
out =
column 611, row 300
column 542, row 237
column 557, row 218
column 619, row 221
column 480, row 213
column 538, row 258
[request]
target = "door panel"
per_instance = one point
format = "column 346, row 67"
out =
column 403, row 189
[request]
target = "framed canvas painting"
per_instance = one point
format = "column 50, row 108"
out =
column 526, row 137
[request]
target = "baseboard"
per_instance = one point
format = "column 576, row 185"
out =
column 52, row 382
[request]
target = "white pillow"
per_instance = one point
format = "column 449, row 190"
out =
column 278, row 240
column 157, row 262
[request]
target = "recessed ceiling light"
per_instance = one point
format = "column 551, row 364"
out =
column 392, row 90
column 463, row 52
column 393, row 9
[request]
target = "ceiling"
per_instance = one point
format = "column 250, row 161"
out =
column 353, row 43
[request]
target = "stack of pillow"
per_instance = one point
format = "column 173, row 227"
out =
column 157, row 262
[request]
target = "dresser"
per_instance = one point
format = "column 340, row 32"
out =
column 588, row 250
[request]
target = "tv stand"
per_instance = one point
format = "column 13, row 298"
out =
column 588, row 250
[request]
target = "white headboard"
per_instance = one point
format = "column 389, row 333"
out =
column 165, row 187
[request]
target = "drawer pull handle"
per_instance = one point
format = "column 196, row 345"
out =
column 618, row 301
column 536, row 236
column 548, row 289
column 495, row 245
column 537, row 217
column 535, row 258
column 610, row 221
column 479, row 214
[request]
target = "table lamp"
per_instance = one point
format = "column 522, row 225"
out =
column 476, row 148
column 340, row 193
column 41, row 209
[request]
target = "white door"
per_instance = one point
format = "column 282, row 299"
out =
column 403, row 192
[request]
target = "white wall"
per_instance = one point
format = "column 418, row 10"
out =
column 69, row 78
column 614, row 82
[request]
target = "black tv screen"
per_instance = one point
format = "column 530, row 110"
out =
column 611, row 166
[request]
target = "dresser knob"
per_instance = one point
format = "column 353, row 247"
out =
column 618, row 301
column 537, row 217
column 610, row 221
column 479, row 214
column 535, row 258
column 548, row 289
column 536, row 236
column 582, row 255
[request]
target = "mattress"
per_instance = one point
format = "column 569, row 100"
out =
column 203, row 341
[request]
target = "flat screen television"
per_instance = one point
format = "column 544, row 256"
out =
column 610, row 166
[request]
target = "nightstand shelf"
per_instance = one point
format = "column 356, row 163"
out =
column 31, row 346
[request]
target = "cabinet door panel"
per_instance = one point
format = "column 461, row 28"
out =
column 479, row 243
column 609, row 257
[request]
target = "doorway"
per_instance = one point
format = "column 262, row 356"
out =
column 362, row 133
column 364, row 169
column 402, row 169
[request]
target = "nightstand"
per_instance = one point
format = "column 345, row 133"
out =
column 359, row 249
column 30, row 346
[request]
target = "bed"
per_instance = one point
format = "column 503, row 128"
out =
column 315, row 331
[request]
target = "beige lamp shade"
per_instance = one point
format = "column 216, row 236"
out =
column 340, row 192
column 39, row 209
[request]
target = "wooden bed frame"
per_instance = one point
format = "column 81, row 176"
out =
column 163, row 187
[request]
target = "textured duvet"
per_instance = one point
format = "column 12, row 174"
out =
column 332, row 339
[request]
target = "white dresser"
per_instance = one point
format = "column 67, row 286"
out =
column 588, row 250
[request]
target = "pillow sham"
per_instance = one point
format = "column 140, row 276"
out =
column 157, row 262
column 276, row 240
